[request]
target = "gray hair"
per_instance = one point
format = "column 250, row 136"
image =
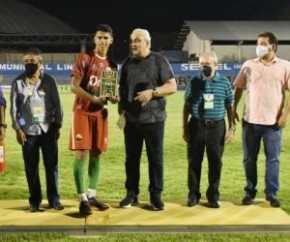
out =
column 211, row 54
column 142, row 32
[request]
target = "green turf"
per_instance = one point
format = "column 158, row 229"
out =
column 112, row 176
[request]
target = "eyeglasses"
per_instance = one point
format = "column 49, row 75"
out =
column 31, row 60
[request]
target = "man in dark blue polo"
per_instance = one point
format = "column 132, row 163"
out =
column 207, row 98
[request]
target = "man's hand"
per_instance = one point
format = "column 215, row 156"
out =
column 101, row 100
column 20, row 136
column 114, row 100
column 54, row 129
column 2, row 133
column 144, row 97
column 230, row 136
column 282, row 121
column 185, row 134
column 236, row 117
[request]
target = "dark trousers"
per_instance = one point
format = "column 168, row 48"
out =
column 30, row 151
column 209, row 137
column 153, row 135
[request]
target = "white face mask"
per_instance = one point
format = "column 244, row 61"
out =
column 262, row 50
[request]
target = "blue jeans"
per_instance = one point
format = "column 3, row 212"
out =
column 252, row 136
column 153, row 135
column 30, row 151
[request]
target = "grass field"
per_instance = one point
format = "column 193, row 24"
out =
column 112, row 177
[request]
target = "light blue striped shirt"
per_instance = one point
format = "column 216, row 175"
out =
column 219, row 86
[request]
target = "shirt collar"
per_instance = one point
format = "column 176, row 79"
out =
column 215, row 78
column 275, row 59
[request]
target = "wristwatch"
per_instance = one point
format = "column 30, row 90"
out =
column 4, row 126
column 155, row 92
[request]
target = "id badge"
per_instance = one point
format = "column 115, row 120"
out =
column 29, row 91
column 38, row 114
column 208, row 101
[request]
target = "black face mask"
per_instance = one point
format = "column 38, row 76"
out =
column 30, row 69
column 206, row 71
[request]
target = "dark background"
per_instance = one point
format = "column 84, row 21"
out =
column 163, row 19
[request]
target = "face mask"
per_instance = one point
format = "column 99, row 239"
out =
column 30, row 69
column 261, row 50
column 206, row 71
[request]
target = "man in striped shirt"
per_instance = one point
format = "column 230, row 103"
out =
column 207, row 98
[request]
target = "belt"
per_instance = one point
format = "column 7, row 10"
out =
column 208, row 122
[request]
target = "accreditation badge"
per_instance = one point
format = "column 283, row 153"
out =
column 208, row 100
column 38, row 111
column 38, row 114
column 29, row 91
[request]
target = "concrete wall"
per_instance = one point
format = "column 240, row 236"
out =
column 228, row 53
column 196, row 46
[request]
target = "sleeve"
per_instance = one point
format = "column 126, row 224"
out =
column 2, row 99
column 57, row 103
column 123, row 72
column 287, row 76
column 229, row 92
column 240, row 80
column 122, row 75
column 122, row 83
column 14, row 107
column 166, row 72
column 188, row 91
column 79, row 66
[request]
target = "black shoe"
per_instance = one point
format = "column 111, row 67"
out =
column 93, row 201
column 192, row 200
column 35, row 208
column 129, row 200
column 247, row 200
column 57, row 206
column 85, row 209
column 156, row 203
column 274, row 202
column 213, row 204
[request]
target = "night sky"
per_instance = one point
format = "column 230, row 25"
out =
column 157, row 15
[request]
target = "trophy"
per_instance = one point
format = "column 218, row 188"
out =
column 109, row 83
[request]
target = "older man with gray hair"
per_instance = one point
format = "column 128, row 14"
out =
column 207, row 99
column 146, row 78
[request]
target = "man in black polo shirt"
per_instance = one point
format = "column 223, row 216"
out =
column 207, row 98
column 146, row 78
